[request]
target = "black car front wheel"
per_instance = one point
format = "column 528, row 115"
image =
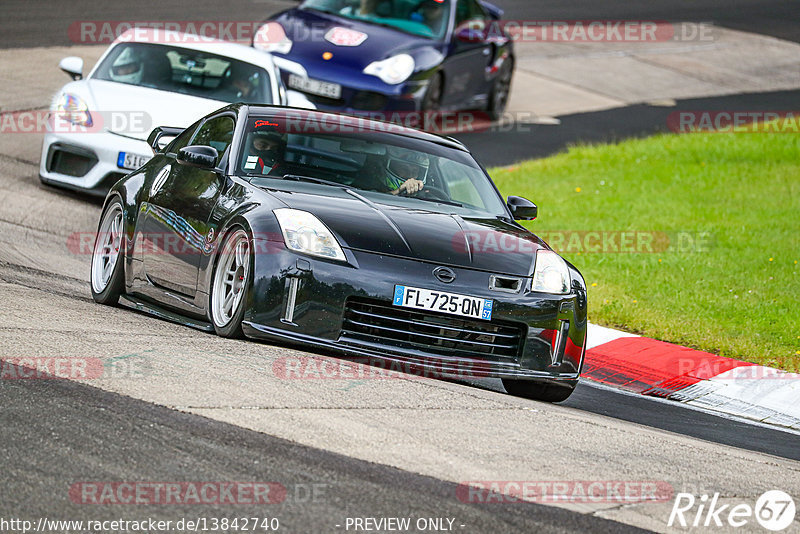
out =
column 229, row 284
column 107, row 274
column 541, row 391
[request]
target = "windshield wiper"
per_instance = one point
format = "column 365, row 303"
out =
column 311, row 179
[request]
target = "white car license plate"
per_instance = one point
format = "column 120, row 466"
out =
column 439, row 301
column 316, row 87
column 126, row 160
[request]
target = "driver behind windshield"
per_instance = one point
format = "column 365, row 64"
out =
column 406, row 170
column 128, row 67
column 242, row 83
column 430, row 12
column 266, row 153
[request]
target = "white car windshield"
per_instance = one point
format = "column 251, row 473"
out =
column 181, row 70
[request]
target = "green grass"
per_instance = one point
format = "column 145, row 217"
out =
column 739, row 296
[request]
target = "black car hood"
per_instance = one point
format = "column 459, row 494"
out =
column 361, row 221
column 306, row 28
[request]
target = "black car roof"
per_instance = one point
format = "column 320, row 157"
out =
column 360, row 121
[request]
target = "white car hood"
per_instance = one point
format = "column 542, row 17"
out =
column 134, row 111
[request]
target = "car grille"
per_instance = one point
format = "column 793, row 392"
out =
column 372, row 323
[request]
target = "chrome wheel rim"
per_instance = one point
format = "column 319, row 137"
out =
column 230, row 278
column 106, row 248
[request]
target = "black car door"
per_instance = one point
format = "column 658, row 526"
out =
column 468, row 59
column 175, row 218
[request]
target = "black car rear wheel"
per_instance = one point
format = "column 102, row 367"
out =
column 229, row 284
column 547, row 392
column 107, row 273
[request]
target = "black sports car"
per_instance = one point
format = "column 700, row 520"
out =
column 343, row 233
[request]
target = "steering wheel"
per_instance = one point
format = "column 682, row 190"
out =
column 431, row 192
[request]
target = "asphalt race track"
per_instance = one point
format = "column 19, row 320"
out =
column 207, row 409
column 322, row 487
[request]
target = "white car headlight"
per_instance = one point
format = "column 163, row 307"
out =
column 550, row 274
column 271, row 37
column 302, row 232
column 73, row 109
column 394, row 70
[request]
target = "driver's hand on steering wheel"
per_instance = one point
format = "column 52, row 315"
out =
column 410, row 187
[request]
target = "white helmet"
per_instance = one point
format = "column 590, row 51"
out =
column 128, row 67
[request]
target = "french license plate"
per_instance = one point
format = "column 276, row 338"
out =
column 316, row 87
column 439, row 301
column 126, row 160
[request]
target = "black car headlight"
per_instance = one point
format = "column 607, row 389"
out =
column 303, row 232
column 550, row 274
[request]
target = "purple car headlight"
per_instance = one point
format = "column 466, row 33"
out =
column 393, row 70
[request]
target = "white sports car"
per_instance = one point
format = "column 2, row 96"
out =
column 146, row 79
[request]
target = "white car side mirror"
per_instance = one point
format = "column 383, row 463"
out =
column 73, row 66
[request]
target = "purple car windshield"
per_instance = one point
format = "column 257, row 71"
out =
column 428, row 18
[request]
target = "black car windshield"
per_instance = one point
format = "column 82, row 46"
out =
column 383, row 166
column 424, row 18
column 186, row 71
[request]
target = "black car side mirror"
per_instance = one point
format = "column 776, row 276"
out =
column 522, row 209
column 200, row 156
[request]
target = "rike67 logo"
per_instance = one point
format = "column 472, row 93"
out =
column 774, row 510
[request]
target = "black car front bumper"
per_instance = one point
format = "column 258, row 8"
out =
column 348, row 308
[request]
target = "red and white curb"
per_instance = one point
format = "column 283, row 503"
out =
column 655, row 368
